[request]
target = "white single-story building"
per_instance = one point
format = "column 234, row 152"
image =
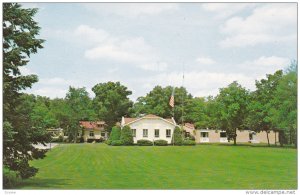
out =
column 150, row 127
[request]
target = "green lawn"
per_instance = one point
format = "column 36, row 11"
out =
column 98, row 166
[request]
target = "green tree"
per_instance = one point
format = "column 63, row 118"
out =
column 157, row 102
column 115, row 133
column 126, row 136
column 212, row 112
column 61, row 111
column 80, row 106
column 259, row 108
column 177, row 138
column 19, row 42
column 111, row 102
column 41, row 115
column 283, row 112
column 196, row 112
column 232, row 108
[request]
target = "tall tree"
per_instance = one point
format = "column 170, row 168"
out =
column 80, row 106
column 196, row 112
column 283, row 112
column 19, row 42
column 41, row 115
column 111, row 102
column 157, row 102
column 232, row 108
column 259, row 118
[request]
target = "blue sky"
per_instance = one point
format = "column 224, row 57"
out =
column 147, row 44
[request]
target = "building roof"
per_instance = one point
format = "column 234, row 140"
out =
column 129, row 120
column 189, row 125
column 91, row 124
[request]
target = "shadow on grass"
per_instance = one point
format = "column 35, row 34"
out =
column 47, row 184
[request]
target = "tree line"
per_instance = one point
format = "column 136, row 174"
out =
column 272, row 106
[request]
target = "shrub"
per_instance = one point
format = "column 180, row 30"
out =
column 144, row 142
column 81, row 140
column 108, row 142
column 59, row 139
column 101, row 139
column 160, row 142
column 177, row 139
column 115, row 133
column 191, row 137
column 10, row 179
column 188, row 143
column 117, row 143
column 126, row 136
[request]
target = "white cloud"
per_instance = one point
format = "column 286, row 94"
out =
column 132, row 9
column 91, row 34
column 265, row 65
column 101, row 44
column 51, row 92
column 223, row 10
column 57, row 81
column 121, row 49
column 200, row 83
column 205, row 60
column 26, row 71
column 268, row 23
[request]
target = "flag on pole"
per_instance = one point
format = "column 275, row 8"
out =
column 171, row 103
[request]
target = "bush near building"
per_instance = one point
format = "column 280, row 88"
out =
column 144, row 142
column 188, row 142
column 160, row 142
column 126, row 136
column 117, row 143
column 177, row 139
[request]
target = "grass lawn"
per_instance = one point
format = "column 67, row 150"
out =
column 98, row 166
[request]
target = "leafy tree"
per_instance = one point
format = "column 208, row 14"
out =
column 80, row 106
column 111, row 102
column 41, row 116
column 196, row 112
column 157, row 102
column 126, row 136
column 212, row 113
column 19, row 42
column 259, row 118
column 115, row 133
column 177, row 138
column 61, row 111
column 232, row 108
column 283, row 112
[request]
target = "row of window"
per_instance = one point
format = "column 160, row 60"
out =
column 156, row 132
column 92, row 134
column 205, row 134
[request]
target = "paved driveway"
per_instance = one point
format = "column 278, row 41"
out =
column 48, row 146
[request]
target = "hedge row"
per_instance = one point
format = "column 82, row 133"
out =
column 144, row 142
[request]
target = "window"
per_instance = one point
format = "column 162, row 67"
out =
column 223, row 134
column 156, row 133
column 133, row 132
column 92, row 133
column 187, row 134
column 204, row 134
column 102, row 134
column 168, row 133
column 145, row 132
column 78, row 134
